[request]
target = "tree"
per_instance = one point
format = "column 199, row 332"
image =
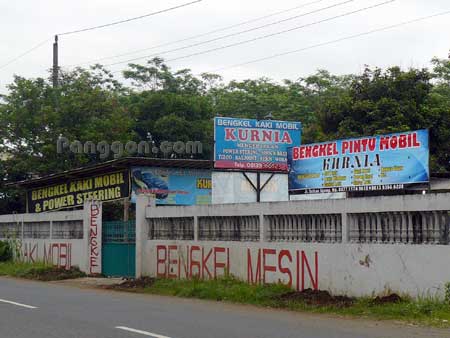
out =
column 176, row 105
column 85, row 107
column 171, row 105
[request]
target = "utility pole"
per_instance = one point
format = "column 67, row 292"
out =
column 55, row 62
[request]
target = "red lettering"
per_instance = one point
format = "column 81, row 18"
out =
column 315, row 151
column 161, row 260
column 229, row 134
column 364, row 144
column 372, row 144
column 313, row 279
column 286, row 138
column 335, row 151
column 394, row 142
column 47, row 254
column 172, row 262
column 322, row 150
column 185, row 263
column 93, row 264
column 95, row 210
column 254, row 136
column 55, row 245
column 384, row 143
column 345, row 146
column 194, row 263
column 218, row 265
column 205, row 263
column 276, row 136
column 330, row 149
column 63, row 256
column 402, row 142
column 296, row 153
column 267, row 135
column 308, row 152
column 284, row 270
column 93, row 233
column 415, row 142
column 250, row 278
column 266, row 267
column 356, row 146
column 243, row 134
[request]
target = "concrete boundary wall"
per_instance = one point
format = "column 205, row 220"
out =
column 62, row 238
column 343, row 264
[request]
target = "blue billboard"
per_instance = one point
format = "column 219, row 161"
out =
column 172, row 186
column 384, row 162
column 246, row 144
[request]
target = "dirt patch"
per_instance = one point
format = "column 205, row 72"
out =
column 53, row 274
column 132, row 284
column 316, row 297
column 392, row 298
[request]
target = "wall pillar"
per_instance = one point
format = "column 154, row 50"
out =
column 345, row 228
column 142, row 202
column 262, row 229
column 196, row 234
column 92, row 236
column 51, row 229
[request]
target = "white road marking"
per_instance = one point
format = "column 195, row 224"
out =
column 145, row 333
column 17, row 304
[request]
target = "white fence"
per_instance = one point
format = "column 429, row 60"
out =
column 358, row 247
column 62, row 238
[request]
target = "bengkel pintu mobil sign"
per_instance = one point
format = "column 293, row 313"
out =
column 248, row 144
column 383, row 162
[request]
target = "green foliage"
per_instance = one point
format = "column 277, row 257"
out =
column 91, row 105
column 38, row 271
column 447, row 292
column 6, row 252
column 427, row 311
column 220, row 289
column 19, row 269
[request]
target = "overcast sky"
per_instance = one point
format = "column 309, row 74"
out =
column 25, row 23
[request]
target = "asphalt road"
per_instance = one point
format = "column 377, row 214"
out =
column 40, row 310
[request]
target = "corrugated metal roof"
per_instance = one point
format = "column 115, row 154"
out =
column 112, row 165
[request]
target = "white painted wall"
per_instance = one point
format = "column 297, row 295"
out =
column 355, row 269
column 350, row 269
column 64, row 253
column 85, row 253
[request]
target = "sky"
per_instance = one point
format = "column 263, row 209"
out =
column 26, row 23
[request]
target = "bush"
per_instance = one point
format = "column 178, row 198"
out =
column 447, row 292
column 6, row 253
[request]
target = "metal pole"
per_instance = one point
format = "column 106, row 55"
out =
column 258, row 187
column 55, row 62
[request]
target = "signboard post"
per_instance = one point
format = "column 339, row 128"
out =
column 384, row 162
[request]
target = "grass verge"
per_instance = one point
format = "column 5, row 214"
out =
column 428, row 312
column 38, row 271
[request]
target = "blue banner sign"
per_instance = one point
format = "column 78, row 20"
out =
column 172, row 186
column 254, row 144
column 384, row 162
